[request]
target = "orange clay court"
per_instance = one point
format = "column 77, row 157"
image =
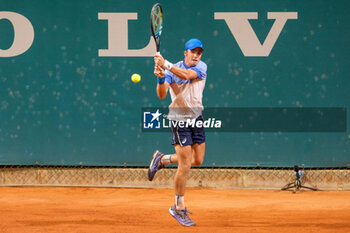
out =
column 61, row 209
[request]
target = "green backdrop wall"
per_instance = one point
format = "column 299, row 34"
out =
column 63, row 103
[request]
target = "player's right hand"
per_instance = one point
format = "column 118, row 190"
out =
column 159, row 59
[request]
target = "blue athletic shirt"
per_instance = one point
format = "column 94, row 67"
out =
column 186, row 95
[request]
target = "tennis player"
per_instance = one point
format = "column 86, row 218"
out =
column 186, row 80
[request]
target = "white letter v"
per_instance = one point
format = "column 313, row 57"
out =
column 238, row 23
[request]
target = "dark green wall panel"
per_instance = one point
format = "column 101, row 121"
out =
column 63, row 104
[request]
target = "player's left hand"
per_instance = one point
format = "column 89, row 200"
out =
column 159, row 60
column 158, row 71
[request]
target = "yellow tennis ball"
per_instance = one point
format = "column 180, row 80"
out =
column 135, row 78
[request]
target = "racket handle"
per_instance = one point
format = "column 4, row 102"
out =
column 158, row 53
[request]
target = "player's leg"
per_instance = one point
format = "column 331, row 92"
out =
column 198, row 151
column 179, row 210
column 198, row 147
column 182, row 141
column 180, row 136
column 184, row 155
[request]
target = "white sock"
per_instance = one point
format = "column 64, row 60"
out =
column 166, row 159
column 179, row 202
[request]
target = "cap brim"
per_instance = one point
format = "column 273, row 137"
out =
column 196, row 47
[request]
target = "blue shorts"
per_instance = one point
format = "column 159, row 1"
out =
column 188, row 135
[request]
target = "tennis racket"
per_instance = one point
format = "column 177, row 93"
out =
column 157, row 23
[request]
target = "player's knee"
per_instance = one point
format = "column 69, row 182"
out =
column 197, row 162
column 185, row 167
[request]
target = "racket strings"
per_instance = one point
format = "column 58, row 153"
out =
column 157, row 21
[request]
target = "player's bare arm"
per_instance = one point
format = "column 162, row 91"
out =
column 162, row 89
column 179, row 72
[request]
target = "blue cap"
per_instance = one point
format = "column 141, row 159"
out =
column 193, row 43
